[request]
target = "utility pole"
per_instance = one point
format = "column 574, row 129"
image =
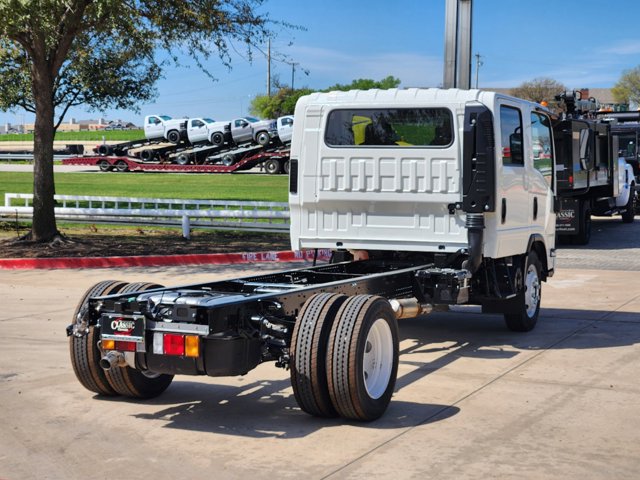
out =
column 269, row 68
column 479, row 63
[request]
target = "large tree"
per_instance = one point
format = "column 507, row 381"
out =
column 627, row 90
column 103, row 53
column 284, row 100
column 539, row 90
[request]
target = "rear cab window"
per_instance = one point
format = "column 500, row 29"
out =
column 398, row 127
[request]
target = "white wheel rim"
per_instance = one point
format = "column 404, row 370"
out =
column 378, row 358
column 532, row 291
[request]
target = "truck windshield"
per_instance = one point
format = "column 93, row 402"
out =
column 209, row 120
column 404, row 127
column 251, row 119
column 165, row 117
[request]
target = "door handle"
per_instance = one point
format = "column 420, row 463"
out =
column 535, row 208
column 503, row 215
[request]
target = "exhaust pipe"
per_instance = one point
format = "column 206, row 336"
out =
column 475, row 234
column 112, row 359
column 409, row 308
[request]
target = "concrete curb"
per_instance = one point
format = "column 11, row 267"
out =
column 160, row 260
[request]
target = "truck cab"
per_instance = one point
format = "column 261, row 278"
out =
column 447, row 174
column 285, row 128
column 163, row 127
column 201, row 130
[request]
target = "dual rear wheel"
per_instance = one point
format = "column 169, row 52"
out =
column 86, row 353
column 344, row 357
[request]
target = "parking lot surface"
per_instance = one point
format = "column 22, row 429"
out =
column 472, row 400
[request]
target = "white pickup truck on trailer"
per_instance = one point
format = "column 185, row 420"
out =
column 164, row 127
column 245, row 130
column 428, row 198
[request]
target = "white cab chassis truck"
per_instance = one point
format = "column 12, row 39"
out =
column 428, row 199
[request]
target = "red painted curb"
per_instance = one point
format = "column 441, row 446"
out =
column 159, row 260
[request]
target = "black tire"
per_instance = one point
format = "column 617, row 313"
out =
column 104, row 165
column 133, row 383
column 309, row 353
column 84, row 350
column 183, row 159
column 147, row 155
column 263, row 138
column 105, row 149
column 285, row 167
column 217, row 139
column 272, row 166
column 526, row 318
column 629, row 215
column 584, row 229
column 362, row 358
column 121, row 166
column 228, row 159
column 173, row 136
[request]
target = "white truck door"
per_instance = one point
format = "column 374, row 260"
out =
column 540, row 167
column 153, row 127
column 512, row 196
column 196, row 130
column 241, row 131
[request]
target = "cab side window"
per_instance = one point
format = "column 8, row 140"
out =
column 542, row 145
column 511, row 133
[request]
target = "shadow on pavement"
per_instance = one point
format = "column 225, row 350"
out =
column 267, row 408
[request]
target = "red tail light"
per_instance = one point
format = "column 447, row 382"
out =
column 125, row 346
column 173, row 344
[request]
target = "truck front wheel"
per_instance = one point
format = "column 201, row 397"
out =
column 173, row 136
column 362, row 359
column 526, row 318
column 83, row 346
column 629, row 215
column 309, row 353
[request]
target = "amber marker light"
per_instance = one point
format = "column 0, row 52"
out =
column 108, row 344
column 192, row 346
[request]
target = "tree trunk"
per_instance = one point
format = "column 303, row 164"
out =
column 44, row 226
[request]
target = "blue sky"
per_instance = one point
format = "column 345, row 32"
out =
column 581, row 43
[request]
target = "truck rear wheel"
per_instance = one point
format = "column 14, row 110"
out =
column 84, row 350
column 217, row 139
column 272, row 166
column 362, row 359
column 263, row 138
column 309, row 353
column 527, row 316
column 584, row 227
column 134, row 383
column 629, row 215
column 173, row 136
column 228, row 159
column 285, row 167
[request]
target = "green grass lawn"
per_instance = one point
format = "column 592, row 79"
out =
column 256, row 187
column 124, row 135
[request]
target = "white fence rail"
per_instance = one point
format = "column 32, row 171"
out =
column 213, row 214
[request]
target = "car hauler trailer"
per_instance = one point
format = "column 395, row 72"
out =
column 274, row 160
column 428, row 198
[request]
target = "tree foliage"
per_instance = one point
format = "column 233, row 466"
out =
column 627, row 90
column 103, row 53
column 283, row 102
column 539, row 90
